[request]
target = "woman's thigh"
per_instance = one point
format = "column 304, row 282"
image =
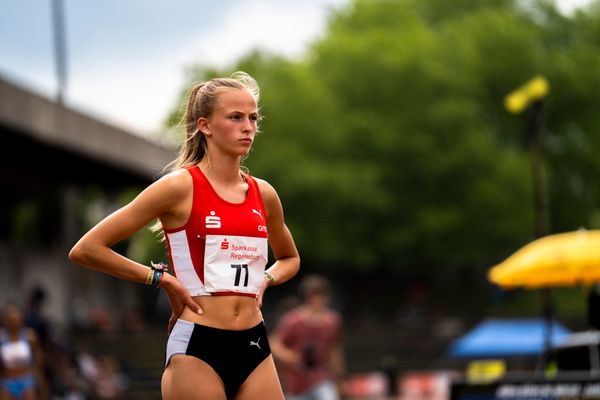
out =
column 263, row 383
column 188, row 377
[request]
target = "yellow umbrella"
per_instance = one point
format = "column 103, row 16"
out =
column 565, row 259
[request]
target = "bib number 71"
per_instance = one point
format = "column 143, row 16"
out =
column 238, row 273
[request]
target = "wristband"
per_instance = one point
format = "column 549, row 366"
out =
column 149, row 277
column 156, row 273
column 271, row 277
column 156, row 277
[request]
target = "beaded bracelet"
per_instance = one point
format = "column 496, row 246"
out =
column 159, row 266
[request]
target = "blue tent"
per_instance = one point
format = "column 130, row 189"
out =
column 507, row 337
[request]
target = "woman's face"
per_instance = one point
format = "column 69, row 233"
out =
column 13, row 319
column 232, row 126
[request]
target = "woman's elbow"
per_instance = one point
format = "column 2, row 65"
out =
column 296, row 266
column 78, row 254
column 75, row 254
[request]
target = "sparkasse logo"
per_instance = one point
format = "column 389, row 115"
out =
column 212, row 221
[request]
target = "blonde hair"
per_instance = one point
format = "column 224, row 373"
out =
column 201, row 104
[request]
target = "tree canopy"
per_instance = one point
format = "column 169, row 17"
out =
column 389, row 144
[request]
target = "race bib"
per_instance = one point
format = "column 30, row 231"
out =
column 234, row 263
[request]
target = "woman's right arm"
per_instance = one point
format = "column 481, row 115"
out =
column 163, row 199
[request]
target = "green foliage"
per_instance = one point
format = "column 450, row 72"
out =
column 389, row 144
column 23, row 217
column 568, row 304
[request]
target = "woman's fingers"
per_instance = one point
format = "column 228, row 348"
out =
column 193, row 305
column 259, row 300
column 261, row 292
column 184, row 298
column 178, row 300
column 171, row 323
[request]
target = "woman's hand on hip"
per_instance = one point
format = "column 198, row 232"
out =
column 261, row 291
column 179, row 297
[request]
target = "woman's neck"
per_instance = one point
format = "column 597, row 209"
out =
column 224, row 171
column 13, row 332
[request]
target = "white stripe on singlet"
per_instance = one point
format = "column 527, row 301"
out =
column 182, row 263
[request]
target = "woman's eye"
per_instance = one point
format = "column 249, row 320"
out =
column 238, row 117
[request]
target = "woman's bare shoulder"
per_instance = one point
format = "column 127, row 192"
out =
column 267, row 191
column 270, row 199
column 175, row 182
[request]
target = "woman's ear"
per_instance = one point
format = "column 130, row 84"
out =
column 203, row 126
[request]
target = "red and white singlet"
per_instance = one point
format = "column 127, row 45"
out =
column 222, row 249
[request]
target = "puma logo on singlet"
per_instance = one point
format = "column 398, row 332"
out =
column 253, row 343
column 257, row 212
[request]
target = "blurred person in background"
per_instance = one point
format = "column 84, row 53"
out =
column 307, row 343
column 21, row 372
column 110, row 383
column 215, row 218
column 34, row 316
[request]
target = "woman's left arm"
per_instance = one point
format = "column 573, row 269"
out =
column 287, row 259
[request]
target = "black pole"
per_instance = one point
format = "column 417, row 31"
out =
column 539, row 215
column 60, row 51
column 535, row 132
column 547, row 311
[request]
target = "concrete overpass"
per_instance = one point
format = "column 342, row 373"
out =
column 49, row 143
column 50, row 155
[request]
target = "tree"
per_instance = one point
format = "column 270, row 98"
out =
column 390, row 147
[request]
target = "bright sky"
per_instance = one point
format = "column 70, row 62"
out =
column 127, row 58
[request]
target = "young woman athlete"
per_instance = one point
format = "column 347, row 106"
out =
column 21, row 366
column 218, row 222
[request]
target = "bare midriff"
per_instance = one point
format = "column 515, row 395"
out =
column 15, row 372
column 225, row 312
